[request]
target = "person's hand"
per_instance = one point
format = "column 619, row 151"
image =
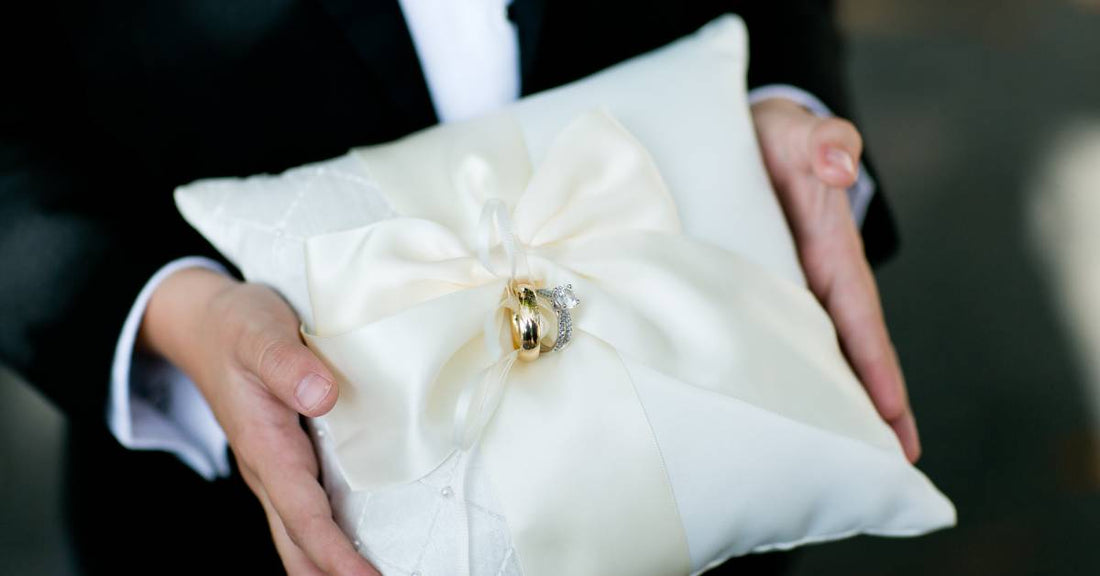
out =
column 812, row 161
column 240, row 345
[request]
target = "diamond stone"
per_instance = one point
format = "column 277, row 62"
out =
column 564, row 297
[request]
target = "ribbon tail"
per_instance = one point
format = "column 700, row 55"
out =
column 465, row 457
column 477, row 404
column 479, row 400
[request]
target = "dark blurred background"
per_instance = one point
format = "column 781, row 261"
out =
column 984, row 120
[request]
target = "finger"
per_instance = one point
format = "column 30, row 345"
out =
column 290, row 371
column 852, row 299
column 906, row 431
column 853, row 304
column 294, row 560
column 290, row 478
column 835, row 148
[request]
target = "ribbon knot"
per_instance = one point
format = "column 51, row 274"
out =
column 477, row 403
column 495, row 218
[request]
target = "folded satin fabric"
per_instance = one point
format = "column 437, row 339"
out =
column 399, row 308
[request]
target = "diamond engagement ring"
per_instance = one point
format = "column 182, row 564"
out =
column 562, row 300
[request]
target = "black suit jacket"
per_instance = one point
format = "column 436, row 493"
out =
column 109, row 105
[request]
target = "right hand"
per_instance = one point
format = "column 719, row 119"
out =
column 811, row 162
column 239, row 343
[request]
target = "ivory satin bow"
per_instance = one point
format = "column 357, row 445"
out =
column 406, row 312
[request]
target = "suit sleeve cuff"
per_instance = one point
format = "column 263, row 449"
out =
column 153, row 405
column 860, row 193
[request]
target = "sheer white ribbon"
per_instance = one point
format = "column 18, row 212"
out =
column 476, row 405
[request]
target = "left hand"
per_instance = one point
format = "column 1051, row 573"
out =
column 239, row 343
column 812, row 161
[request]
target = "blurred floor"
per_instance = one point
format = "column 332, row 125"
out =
column 962, row 103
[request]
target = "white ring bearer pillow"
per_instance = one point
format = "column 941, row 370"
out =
column 702, row 409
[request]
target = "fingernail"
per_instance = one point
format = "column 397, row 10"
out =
column 311, row 390
column 841, row 159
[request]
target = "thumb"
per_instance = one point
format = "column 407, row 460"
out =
column 290, row 371
column 835, row 147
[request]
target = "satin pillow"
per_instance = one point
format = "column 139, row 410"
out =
column 758, row 472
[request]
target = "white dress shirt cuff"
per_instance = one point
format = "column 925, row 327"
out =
column 860, row 193
column 153, row 405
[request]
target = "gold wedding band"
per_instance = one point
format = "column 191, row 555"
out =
column 527, row 324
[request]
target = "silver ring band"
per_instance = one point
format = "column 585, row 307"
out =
column 562, row 300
